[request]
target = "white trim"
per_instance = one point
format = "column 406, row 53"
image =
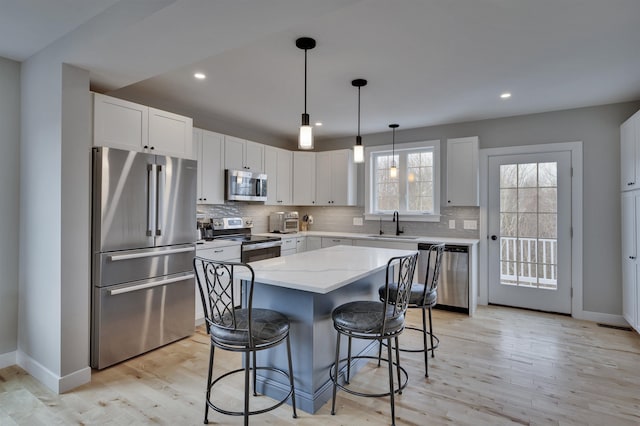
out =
column 603, row 318
column 51, row 380
column 575, row 148
column 8, row 359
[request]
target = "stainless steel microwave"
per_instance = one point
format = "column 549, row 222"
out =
column 241, row 185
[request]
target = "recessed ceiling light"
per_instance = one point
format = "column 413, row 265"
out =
column 505, row 95
column 200, row 76
column 318, row 123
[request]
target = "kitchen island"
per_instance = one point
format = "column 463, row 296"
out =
column 307, row 287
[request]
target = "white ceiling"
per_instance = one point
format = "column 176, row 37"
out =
column 428, row 62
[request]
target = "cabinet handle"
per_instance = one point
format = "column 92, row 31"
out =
column 147, row 146
column 630, row 183
column 448, row 201
column 632, row 257
column 204, row 199
column 218, row 251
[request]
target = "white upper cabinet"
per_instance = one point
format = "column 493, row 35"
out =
column 630, row 153
column 278, row 167
column 335, row 178
column 241, row 154
column 208, row 148
column 170, row 134
column 304, row 178
column 462, row 172
column 126, row 125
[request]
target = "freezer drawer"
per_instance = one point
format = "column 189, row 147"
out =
column 134, row 318
column 119, row 267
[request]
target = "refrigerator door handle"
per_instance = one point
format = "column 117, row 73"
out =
column 117, row 257
column 151, row 199
column 161, row 185
column 150, row 285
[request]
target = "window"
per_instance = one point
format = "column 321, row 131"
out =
column 414, row 192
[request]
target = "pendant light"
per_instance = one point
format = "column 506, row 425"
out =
column 393, row 171
column 305, row 139
column 358, row 149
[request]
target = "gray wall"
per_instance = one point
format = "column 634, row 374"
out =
column 9, row 202
column 599, row 129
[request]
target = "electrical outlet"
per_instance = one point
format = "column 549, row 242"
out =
column 470, row 224
column 357, row 221
column 452, row 224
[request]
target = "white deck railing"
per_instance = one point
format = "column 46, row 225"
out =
column 530, row 262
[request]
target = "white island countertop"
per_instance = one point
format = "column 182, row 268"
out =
column 324, row 270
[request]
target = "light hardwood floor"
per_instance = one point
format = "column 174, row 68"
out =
column 503, row 366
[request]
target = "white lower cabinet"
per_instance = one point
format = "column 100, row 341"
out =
column 293, row 245
column 630, row 265
column 229, row 253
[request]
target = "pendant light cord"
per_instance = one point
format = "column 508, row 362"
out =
column 305, row 81
column 358, row 111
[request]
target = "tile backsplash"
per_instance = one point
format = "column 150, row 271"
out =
column 340, row 219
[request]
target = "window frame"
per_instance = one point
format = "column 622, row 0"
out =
column 432, row 145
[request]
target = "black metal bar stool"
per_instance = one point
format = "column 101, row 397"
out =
column 423, row 296
column 245, row 330
column 375, row 320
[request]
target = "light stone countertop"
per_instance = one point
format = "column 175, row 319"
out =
column 384, row 237
column 323, row 270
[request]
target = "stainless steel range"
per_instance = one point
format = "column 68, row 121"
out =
column 254, row 247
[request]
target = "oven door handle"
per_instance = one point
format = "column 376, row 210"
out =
column 150, row 285
column 258, row 246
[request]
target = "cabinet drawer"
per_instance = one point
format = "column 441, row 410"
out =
column 328, row 242
column 288, row 244
column 231, row 253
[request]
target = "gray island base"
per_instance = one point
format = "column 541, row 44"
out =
column 307, row 287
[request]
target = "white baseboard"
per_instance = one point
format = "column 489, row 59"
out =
column 602, row 318
column 8, row 359
column 54, row 382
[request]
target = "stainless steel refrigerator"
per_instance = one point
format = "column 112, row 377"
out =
column 143, row 244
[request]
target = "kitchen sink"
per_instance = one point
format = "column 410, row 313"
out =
column 393, row 237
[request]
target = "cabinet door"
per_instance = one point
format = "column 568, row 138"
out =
column 343, row 175
column 323, row 179
column 629, row 257
column 212, row 170
column 253, row 156
column 170, row 134
column 462, row 172
column 628, row 154
column 283, row 183
column 301, row 244
column 271, row 169
column 119, row 124
column 304, row 178
column 234, row 153
column 196, row 139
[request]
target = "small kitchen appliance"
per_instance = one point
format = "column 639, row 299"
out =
column 283, row 222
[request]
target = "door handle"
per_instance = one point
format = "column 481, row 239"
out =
column 494, row 237
column 151, row 199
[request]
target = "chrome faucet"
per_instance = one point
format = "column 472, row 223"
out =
column 396, row 219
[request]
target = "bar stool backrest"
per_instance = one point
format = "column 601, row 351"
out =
column 219, row 298
column 406, row 268
column 434, row 261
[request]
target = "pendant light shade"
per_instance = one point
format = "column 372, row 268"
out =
column 393, row 170
column 305, row 138
column 358, row 149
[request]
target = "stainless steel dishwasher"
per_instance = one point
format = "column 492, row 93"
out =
column 453, row 285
